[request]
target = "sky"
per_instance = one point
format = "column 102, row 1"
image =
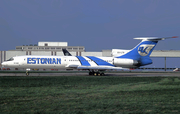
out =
column 95, row 24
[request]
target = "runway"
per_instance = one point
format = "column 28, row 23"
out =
column 122, row 74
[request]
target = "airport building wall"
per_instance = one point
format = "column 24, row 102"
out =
column 61, row 53
column 91, row 54
column 10, row 54
column 55, row 49
column 155, row 53
column 165, row 53
column 52, row 44
column 106, row 53
column 4, row 55
column 40, row 53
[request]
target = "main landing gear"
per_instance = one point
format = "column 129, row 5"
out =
column 98, row 73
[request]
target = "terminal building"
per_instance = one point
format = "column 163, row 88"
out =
column 55, row 49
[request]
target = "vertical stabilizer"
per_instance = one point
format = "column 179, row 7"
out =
column 143, row 50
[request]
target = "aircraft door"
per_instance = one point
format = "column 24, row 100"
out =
column 22, row 62
column 64, row 61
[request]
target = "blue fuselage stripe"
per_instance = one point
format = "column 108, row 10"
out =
column 83, row 61
column 99, row 61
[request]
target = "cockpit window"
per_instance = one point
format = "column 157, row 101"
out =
column 11, row 59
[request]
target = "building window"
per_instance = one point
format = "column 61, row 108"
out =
column 19, row 47
column 41, row 48
column 46, row 44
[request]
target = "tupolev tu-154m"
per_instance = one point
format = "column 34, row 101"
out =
column 120, row 60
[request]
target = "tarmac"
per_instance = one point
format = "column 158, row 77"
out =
column 122, row 74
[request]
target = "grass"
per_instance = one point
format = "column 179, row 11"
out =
column 89, row 94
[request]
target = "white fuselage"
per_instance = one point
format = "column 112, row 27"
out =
column 62, row 62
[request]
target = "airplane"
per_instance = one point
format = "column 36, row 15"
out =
column 120, row 60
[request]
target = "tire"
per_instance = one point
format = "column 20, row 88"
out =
column 27, row 73
column 95, row 74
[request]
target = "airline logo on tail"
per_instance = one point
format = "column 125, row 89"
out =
column 144, row 49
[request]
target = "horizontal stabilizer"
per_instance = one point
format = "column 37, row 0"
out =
column 153, row 38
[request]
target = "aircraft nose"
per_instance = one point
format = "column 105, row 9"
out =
column 3, row 64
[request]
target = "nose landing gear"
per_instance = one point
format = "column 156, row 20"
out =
column 27, row 71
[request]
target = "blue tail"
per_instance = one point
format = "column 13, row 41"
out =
column 143, row 50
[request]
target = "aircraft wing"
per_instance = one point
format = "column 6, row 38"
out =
column 96, row 67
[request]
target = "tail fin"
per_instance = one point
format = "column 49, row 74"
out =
column 143, row 50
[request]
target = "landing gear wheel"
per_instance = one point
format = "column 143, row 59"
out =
column 27, row 73
column 95, row 74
